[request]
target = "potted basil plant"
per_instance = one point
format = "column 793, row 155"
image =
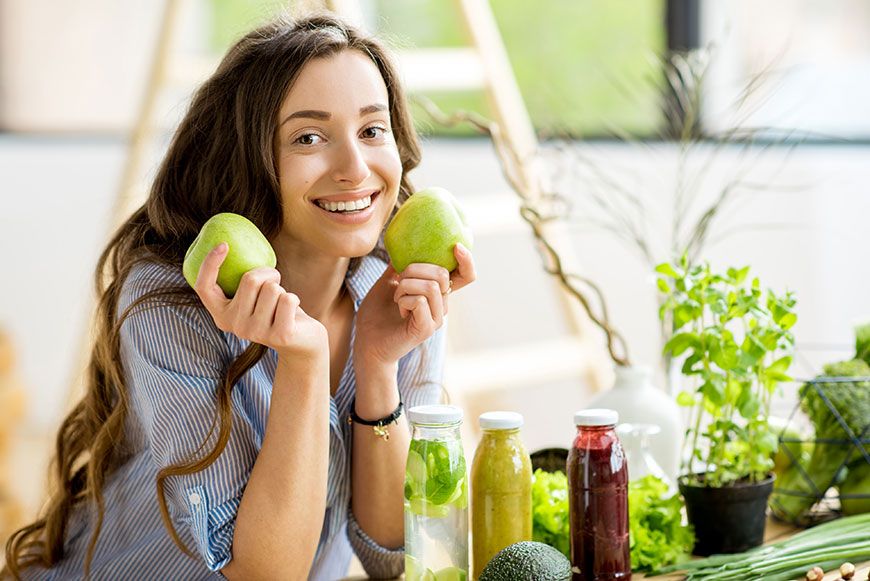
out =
column 735, row 346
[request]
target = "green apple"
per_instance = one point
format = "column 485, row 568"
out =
column 249, row 249
column 425, row 229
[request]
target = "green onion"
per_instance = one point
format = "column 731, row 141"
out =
column 826, row 545
column 800, row 571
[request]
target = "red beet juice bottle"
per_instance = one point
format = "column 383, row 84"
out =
column 598, row 499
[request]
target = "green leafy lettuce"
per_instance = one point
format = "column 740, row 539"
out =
column 658, row 537
column 550, row 522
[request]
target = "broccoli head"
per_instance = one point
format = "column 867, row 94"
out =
column 800, row 486
column 862, row 342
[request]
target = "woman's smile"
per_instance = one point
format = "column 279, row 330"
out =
column 349, row 208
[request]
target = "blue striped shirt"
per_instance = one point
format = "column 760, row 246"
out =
column 174, row 359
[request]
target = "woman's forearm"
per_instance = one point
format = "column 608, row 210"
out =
column 378, row 468
column 281, row 513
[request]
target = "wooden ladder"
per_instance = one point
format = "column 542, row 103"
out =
column 483, row 65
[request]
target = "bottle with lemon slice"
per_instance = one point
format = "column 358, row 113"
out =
column 436, row 497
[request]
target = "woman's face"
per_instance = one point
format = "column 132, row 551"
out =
column 338, row 164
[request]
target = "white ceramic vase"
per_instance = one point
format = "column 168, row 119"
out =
column 639, row 401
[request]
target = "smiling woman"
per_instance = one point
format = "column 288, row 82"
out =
column 335, row 146
column 230, row 436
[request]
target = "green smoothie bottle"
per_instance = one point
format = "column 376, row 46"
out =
column 501, row 488
column 436, row 497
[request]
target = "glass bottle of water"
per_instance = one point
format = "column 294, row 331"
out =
column 436, row 497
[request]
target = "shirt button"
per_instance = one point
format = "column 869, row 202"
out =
column 195, row 498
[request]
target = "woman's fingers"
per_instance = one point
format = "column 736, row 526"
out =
column 237, row 314
column 261, row 311
column 206, row 286
column 429, row 289
column 264, row 311
column 406, row 305
column 285, row 316
column 417, row 307
column 245, row 301
column 433, row 272
column 416, row 286
column 465, row 273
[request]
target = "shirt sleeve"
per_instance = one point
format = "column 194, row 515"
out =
column 378, row 561
column 420, row 383
column 421, row 372
column 175, row 359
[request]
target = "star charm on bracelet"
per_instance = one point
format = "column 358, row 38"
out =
column 382, row 432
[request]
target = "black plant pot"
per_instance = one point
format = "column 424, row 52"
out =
column 550, row 459
column 729, row 519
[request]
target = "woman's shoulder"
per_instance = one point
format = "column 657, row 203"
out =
column 158, row 291
column 150, row 272
column 149, row 277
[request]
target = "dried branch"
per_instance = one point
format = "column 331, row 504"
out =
column 612, row 205
column 530, row 211
column 772, row 226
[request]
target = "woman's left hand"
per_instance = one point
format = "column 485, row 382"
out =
column 403, row 310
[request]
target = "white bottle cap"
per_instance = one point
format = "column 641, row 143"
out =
column 596, row 417
column 435, row 414
column 500, row 420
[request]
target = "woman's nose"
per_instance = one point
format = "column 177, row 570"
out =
column 350, row 164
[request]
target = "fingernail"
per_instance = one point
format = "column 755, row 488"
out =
column 461, row 248
column 221, row 248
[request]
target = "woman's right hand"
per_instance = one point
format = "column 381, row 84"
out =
column 261, row 310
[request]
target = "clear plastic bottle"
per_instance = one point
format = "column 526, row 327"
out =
column 598, row 499
column 501, row 488
column 635, row 441
column 436, row 496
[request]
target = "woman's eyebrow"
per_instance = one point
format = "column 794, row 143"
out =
column 372, row 109
column 325, row 116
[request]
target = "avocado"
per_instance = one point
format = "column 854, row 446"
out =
column 527, row 561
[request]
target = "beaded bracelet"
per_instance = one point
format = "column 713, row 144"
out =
column 379, row 427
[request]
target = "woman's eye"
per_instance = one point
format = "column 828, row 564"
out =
column 307, row 139
column 374, row 131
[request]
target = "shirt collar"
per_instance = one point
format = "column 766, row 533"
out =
column 360, row 282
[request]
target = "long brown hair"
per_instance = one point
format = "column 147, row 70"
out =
column 220, row 159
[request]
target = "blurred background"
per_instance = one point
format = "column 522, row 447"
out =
column 768, row 105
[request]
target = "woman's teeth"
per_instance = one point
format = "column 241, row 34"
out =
column 346, row 206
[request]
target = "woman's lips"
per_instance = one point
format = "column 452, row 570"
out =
column 354, row 217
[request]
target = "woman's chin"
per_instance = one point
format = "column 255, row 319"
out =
column 357, row 250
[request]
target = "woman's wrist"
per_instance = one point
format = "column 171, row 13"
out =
column 303, row 370
column 377, row 392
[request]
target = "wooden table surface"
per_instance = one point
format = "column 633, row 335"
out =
column 774, row 531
